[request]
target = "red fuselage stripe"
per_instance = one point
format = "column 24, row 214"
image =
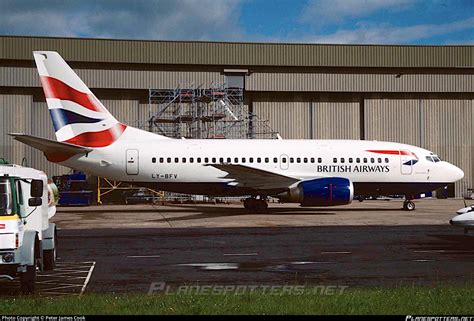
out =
column 392, row 152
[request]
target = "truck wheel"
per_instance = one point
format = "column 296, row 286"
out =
column 49, row 256
column 27, row 280
column 49, row 259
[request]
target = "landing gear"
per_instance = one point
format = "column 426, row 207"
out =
column 255, row 204
column 408, row 205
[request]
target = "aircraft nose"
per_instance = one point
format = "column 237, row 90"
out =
column 457, row 173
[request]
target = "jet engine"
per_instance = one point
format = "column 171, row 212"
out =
column 328, row 191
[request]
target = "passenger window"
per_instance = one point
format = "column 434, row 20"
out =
column 184, row 159
column 386, row 160
column 305, row 160
column 283, row 160
column 298, row 160
column 372, row 160
column 267, row 160
column 153, row 160
column 199, row 160
column 334, row 160
column 380, row 160
column 214, row 160
column 161, row 160
column 275, row 160
column 176, row 160
column 357, row 160
column 206, row 159
column 168, row 159
column 342, row 160
column 243, row 159
column 365, row 160
column 312, row 160
column 351, row 160
column 251, row 160
column 320, row 160
column 221, row 160
column 236, row 160
column 191, row 160
column 229, row 160
column 259, row 160
column 292, row 160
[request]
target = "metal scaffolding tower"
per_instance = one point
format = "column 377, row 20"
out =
column 216, row 112
column 204, row 113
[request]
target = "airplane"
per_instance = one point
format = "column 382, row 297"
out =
column 308, row 172
column 464, row 218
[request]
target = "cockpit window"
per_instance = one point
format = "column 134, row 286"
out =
column 433, row 158
column 6, row 198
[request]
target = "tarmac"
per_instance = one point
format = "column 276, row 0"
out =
column 373, row 243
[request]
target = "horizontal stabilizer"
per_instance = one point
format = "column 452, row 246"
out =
column 53, row 150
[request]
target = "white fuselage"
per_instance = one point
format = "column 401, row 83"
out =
column 143, row 157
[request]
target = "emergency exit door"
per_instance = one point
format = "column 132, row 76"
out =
column 132, row 162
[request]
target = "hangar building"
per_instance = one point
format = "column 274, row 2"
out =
column 419, row 95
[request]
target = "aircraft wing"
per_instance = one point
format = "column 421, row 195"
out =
column 245, row 176
column 53, row 150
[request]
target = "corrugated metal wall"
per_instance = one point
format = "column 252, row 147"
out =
column 252, row 54
column 393, row 120
column 130, row 79
column 290, row 119
column 441, row 126
column 140, row 79
column 15, row 118
column 335, row 120
column 328, row 82
column 311, row 120
column 448, row 131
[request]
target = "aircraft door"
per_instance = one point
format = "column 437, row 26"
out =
column 406, row 162
column 284, row 162
column 132, row 161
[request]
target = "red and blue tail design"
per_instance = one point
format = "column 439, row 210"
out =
column 79, row 118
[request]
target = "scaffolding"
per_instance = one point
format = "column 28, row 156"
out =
column 217, row 112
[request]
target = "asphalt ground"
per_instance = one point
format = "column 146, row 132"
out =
column 373, row 243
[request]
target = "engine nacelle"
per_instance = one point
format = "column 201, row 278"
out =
column 330, row 191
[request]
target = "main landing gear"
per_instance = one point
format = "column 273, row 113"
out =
column 255, row 204
column 408, row 205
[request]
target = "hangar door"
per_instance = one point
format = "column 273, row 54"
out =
column 132, row 161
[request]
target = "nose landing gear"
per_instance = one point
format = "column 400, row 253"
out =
column 255, row 204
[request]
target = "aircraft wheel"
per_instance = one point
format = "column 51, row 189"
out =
column 261, row 205
column 253, row 204
column 408, row 206
column 248, row 203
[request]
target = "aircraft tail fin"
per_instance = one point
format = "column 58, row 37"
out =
column 79, row 118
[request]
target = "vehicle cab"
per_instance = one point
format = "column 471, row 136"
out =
column 27, row 238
